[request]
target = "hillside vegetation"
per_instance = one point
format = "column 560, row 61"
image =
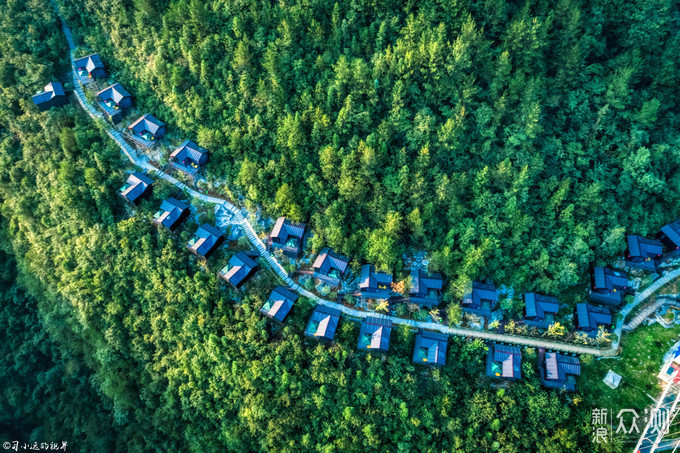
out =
column 514, row 140
column 512, row 157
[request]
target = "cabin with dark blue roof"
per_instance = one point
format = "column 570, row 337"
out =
column 287, row 237
column 329, row 266
column 643, row 253
column 137, row 187
column 147, row 130
column 374, row 334
column 430, row 348
column 558, row 371
column 480, row 299
column 171, row 213
column 588, row 318
column 53, row 95
column 504, row 361
column 323, row 323
column 206, row 240
column 609, row 286
column 240, row 268
column 374, row 285
column 89, row 67
column 189, row 158
column 426, row 289
column 114, row 101
column 670, row 235
column 279, row 304
column 540, row 310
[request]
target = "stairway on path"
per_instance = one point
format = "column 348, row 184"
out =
column 643, row 295
column 647, row 312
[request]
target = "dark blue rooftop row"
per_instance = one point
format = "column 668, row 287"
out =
column 115, row 101
column 430, row 348
column 503, row 361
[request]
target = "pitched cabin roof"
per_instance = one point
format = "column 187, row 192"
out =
column 590, row 317
column 374, row 334
column 279, row 303
column 430, row 348
column 537, row 305
column 51, row 90
column 135, row 186
column 609, row 286
column 146, row 123
column 672, row 232
column 374, row 281
column 557, row 369
column 323, row 323
column 205, row 238
column 89, row 62
column 646, row 248
column 190, row 151
column 504, row 361
column 284, row 229
column 328, row 260
column 115, row 93
column 239, row 269
column 170, row 212
column 479, row 295
column 422, row 282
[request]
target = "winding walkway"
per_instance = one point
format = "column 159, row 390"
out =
column 534, row 342
column 647, row 312
column 644, row 295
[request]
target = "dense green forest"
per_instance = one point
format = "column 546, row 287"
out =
column 515, row 140
column 506, row 137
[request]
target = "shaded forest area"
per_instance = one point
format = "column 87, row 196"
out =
column 518, row 141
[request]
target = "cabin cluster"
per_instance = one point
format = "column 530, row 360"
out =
column 481, row 299
column 609, row 287
column 116, row 102
column 504, row 361
column 205, row 240
column 330, row 267
column 556, row 370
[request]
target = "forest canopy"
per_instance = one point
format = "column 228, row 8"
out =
column 517, row 141
column 503, row 137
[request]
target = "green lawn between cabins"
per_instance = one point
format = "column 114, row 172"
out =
column 639, row 364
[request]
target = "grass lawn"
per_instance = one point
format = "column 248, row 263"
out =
column 640, row 362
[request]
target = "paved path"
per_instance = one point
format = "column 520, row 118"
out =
column 637, row 300
column 534, row 342
column 647, row 312
column 644, row 295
